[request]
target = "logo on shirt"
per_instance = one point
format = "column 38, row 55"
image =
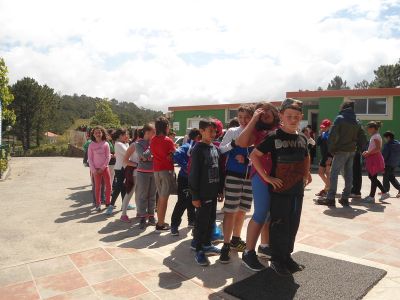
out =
column 298, row 143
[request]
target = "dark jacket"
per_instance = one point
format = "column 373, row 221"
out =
column 322, row 143
column 205, row 181
column 391, row 153
column 346, row 133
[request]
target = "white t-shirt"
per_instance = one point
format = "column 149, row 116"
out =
column 134, row 158
column 120, row 150
column 375, row 137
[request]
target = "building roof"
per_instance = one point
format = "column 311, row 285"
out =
column 214, row 106
column 345, row 93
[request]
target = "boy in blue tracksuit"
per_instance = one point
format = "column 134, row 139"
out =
column 391, row 154
column 181, row 157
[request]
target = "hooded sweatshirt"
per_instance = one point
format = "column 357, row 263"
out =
column 391, row 153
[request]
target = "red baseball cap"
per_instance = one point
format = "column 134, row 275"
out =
column 325, row 124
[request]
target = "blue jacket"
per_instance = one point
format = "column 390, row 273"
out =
column 182, row 156
column 233, row 167
column 391, row 153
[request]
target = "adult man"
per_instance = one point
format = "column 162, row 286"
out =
column 346, row 134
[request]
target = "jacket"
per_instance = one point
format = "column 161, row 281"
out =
column 391, row 153
column 346, row 134
column 205, row 181
column 182, row 156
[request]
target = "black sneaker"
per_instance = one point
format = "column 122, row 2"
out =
column 264, row 252
column 250, row 260
column 279, row 268
column 344, row 202
column 152, row 221
column 239, row 246
column 293, row 266
column 191, row 224
column 162, row 228
column 224, row 258
column 330, row 203
column 142, row 223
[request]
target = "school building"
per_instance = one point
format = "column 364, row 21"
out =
column 370, row 104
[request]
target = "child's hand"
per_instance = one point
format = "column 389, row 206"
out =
column 308, row 179
column 240, row 159
column 365, row 154
column 275, row 182
column 196, row 203
column 220, row 197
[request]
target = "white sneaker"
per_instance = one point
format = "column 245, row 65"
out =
column 384, row 197
column 368, row 199
column 398, row 195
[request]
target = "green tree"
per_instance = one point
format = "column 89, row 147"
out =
column 337, row 83
column 104, row 115
column 6, row 96
column 387, row 76
column 362, row 85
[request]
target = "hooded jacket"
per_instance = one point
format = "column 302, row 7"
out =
column 182, row 157
column 391, row 153
column 346, row 133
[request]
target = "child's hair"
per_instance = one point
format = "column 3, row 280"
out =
column 135, row 134
column 233, row 123
column 389, row 135
column 118, row 133
column 161, row 125
column 103, row 131
column 205, row 123
column 247, row 109
column 140, row 133
column 268, row 106
column 193, row 133
column 290, row 103
column 147, row 127
column 374, row 124
column 110, row 132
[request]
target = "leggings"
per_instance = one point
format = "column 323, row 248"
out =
column 98, row 178
column 262, row 200
column 375, row 183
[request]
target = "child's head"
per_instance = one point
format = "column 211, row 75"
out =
column 233, row 123
column 98, row 133
column 148, row 131
column 373, row 127
column 110, row 133
column 325, row 125
column 348, row 104
column 291, row 113
column 306, row 132
column 388, row 136
column 219, row 128
column 208, row 130
column 162, row 126
column 194, row 134
column 245, row 112
column 270, row 117
column 121, row 135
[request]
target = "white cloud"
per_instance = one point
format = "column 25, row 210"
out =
column 145, row 51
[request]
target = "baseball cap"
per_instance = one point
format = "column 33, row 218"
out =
column 325, row 124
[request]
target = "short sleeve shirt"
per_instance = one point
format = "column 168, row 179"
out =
column 289, row 154
column 375, row 137
column 162, row 148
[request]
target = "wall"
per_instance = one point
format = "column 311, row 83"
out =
column 182, row 116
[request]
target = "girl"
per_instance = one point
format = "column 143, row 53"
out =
column 121, row 145
column 374, row 162
column 99, row 156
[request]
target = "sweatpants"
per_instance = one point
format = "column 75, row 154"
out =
column 98, row 179
column 375, row 183
column 118, row 185
column 184, row 203
column 390, row 178
column 145, row 196
column 285, row 221
column 127, row 198
column 206, row 215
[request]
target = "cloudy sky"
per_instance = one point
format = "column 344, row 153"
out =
column 168, row 53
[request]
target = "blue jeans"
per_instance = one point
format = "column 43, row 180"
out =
column 341, row 161
column 262, row 200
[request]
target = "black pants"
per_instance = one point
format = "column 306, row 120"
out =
column 205, row 220
column 184, row 203
column 285, row 221
column 118, row 185
column 390, row 178
column 375, row 183
column 357, row 175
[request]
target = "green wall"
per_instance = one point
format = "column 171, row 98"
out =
column 182, row 116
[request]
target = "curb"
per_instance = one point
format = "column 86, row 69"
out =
column 5, row 174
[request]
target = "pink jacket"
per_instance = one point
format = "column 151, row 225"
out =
column 98, row 155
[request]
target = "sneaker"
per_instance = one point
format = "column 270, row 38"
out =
column 293, row 266
column 125, row 219
column 224, row 258
column 368, row 199
column 279, row 268
column 321, row 193
column 131, row 207
column 344, row 202
column 211, row 250
column 162, row 228
column 398, row 195
column 191, row 224
column 384, row 197
column 355, row 196
column 250, row 260
column 109, row 210
column 98, row 208
column 240, row 246
column 201, row 258
column 152, row 221
column 264, row 252
column 174, row 231
column 330, row 203
column 142, row 223
column 193, row 245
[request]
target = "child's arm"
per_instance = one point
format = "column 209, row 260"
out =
column 377, row 148
column 181, row 157
column 246, row 137
column 91, row 158
column 226, row 144
column 128, row 154
column 307, row 175
column 194, row 178
column 107, row 157
column 255, row 158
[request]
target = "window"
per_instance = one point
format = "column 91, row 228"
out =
column 231, row 113
column 193, row 123
column 370, row 106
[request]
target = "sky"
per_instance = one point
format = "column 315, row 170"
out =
column 171, row 53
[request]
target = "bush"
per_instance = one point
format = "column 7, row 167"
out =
column 3, row 165
column 48, row 150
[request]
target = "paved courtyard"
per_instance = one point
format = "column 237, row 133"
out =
column 54, row 246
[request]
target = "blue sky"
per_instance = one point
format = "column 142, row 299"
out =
column 167, row 53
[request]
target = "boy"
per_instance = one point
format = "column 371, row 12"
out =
column 162, row 148
column 391, row 154
column 181, row 157
column 326, row 158
column 206, row 188
column 238, row 192
column 290, row 173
